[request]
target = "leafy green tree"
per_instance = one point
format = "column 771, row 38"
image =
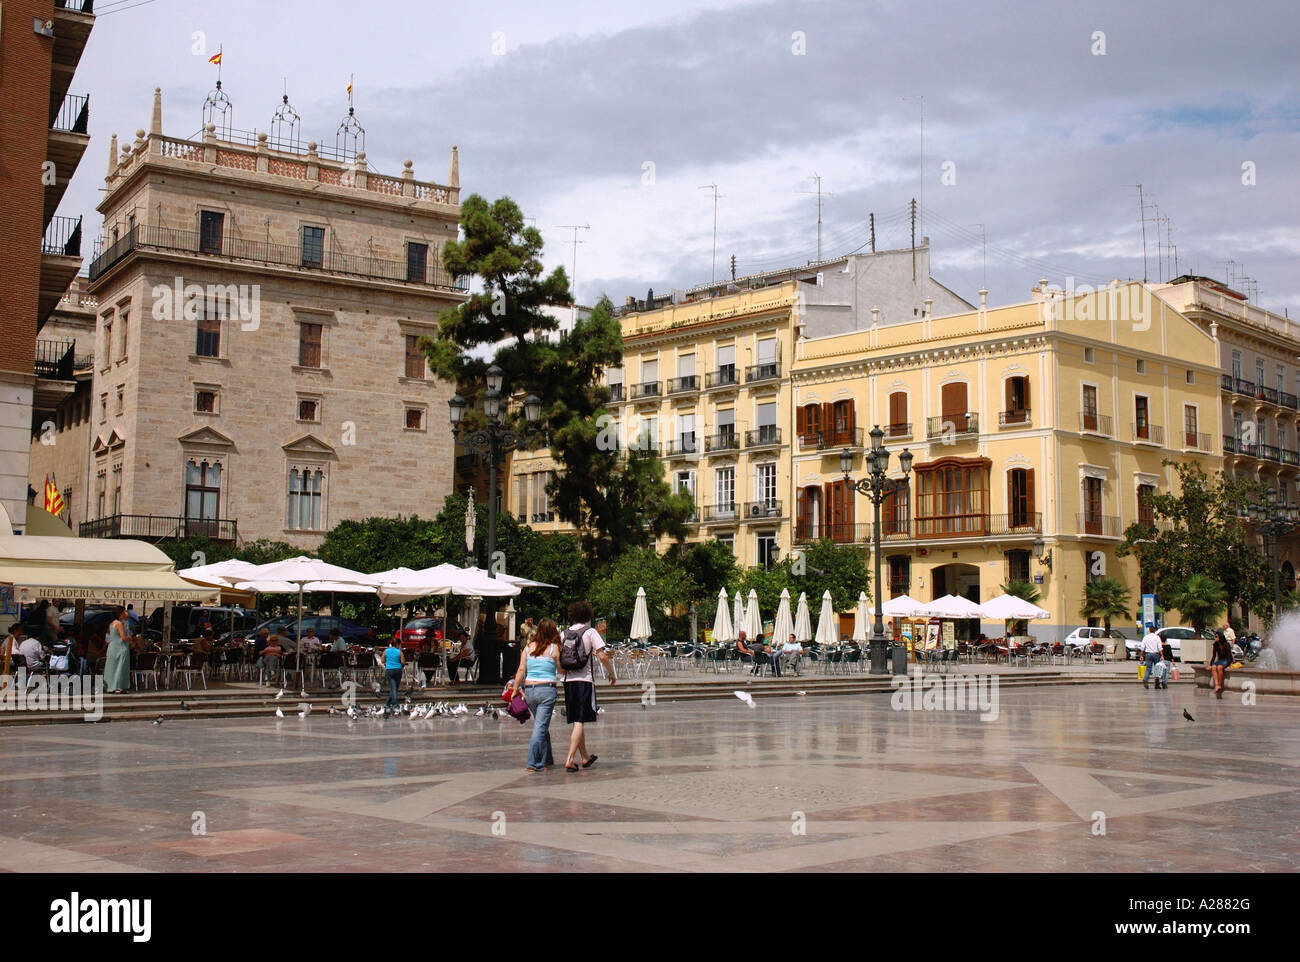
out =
column 668, row 590
column 839, row 568
column 617, row 506
column 711, row 567
column 1105, row 598
column 768, row 583
column 264, row 551
column 196, row 551
column 378, row 544
column 1206, row 533
column 1201, row 600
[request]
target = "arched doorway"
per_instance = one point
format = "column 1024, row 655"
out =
column 955, row 579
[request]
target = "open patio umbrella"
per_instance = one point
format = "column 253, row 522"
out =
column 951, row 606
column 753, row 620
column 783, row 628
column 640, row 617
column 828, row 629
column 901, row 607
column 860, row 618
column 1009, row 608
column 722, row 630
column 803, row 632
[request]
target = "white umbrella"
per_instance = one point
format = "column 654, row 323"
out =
column 803, row 620
column 640, row 617
column 901, row 607
column 828, row 627
column 1011, row 608
column 401, row 584
column 470, row 521
column 738, row 614
column 783, row 628
column 511, row 614
column 951, row 606
column 227, row 572
column 753, row 620
column 722, row 630
column 861, row 618
column 511, row 579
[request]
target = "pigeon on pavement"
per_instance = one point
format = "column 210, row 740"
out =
column 278, row 713
column 185, row 707
column 279, row 694
column 1188, row 715
column 746, row 697
column 801, row 693
column 160, row 719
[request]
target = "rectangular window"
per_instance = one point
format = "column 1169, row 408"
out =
column 727, row 423
column 1281, row 379
column 103, row 408
column 121, row 399
column 521, row 497
column 205, row 402
column 417, row 262
column 117, row 488
column 124, row 322
column 1017, row 391
column 1261, row 433
column 414, row 357
column 308, row 410
column 727, row 364
column 207, row 339
column 686, row 432
column 309, row 345
column 1236, row 365
column 1146, row 514
column 1191, row 377
column 729, row 540
column 202, row 490
column 1190, row 426
column 1017, row 566
column 211, row 228
column 767, row 432
column 305, row 492
column 1092, row 506
column 1090, row 419
column 951, row 500
column 685, row 366
column 765, row 484
column 725, row 491
column 768, row 552
column 843, row 422
column 898, row 423
column 1141, row 422
column 1020, row 498
column 101, row 485
column 108, row 343
column 1141, row 366
column 1259, row 372
column 1088, row 355
column 415, row 419
column 900, row 575
column 313, row 247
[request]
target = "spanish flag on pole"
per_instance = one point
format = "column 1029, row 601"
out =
column 53, row 500
column 215, row 58
column 350, row 89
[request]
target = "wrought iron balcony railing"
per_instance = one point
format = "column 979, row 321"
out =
column 159, row 526
column 1101, row 525
column 762, row 372
column 1148, row 434
column 724, row 513
column 722, row 377
column 952, row 425
column 63, row 237
column 903, row 429
column 1017, row 418
column 1194, row 441
column 762, row 510
column 646, row 389
column 726, row 441
column 681, row 446
column 1090, row 422
column 173, row 240
column 765, row 436
column 72, row 116
column 615, row 392
column 682, row 385
column 56, row 360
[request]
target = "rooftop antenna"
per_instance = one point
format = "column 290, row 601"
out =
column 350, row 138
column 217, row 109
column 1142, row 213
column 573, row 283
column 818, row 177
column 286, row 125
column 713, row 277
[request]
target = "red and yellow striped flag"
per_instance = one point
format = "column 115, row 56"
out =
column 53, row 499
column 215, row 58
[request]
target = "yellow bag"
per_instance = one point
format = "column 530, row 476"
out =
column 1142, row 672
column 1234, row 666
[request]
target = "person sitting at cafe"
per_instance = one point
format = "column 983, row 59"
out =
column 465, row 656
column 203, row 644
column 259, row 646
column 791, row 652
column 337, row 641
column 310, row 643
column 270, row 659
column 29, row 648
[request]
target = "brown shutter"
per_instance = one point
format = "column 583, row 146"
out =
column 828, row 423
column 828, row 511
column 800, row 421
column 1011, row 394
column 801, row 512
column 1011, row 498
column 1025, row 392
column 1029, row 493
column 850, row 507
column 853, row 416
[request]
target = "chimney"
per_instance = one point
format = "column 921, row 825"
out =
column 875, row 316
column 929, row 306
column 155, row 122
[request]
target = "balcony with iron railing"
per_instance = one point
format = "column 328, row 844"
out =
column 979, row 525
column 1270, row 452
column 1195, row 441
column 765, row 371
column 1288, row 400
column 898, row 432
column 762, row 510
column 725, row 513
column 646, row 391
column 688, row 384
column 1099, row 525
column 56, row 359
column 62, row 238
column 1018, row 418
column 1289, row 456
column 541, row 517
column 834, row 439
column 764, row 436
column 159, row 526
column 965, row 424
column 722, row 442
column 226, row 247
column 1090, row 422
column 681, row 446
column 1153, row 434
column 723, row 377
column 72, row 115
column 615, row 392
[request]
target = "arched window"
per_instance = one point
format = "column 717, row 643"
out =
column 1288, row 576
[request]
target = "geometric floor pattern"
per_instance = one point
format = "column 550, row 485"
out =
column 1104, row 778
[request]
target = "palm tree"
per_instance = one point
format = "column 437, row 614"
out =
column 1201, row 600
column 1026, row 592
column 1105, row 598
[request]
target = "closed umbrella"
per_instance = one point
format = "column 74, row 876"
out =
column 828, row 629
column 783, row 628
column 722, row 630
column 860, row 618
column 640, row 617
column 753, row 620
column 738, row 613
column 803, row 620
column 471, row 519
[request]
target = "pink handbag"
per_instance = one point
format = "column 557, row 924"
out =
column 518, row 708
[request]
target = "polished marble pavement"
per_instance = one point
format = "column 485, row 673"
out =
column 1084, row 778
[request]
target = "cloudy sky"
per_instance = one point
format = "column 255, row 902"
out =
column 614, row 113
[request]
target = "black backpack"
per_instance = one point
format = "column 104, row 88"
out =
column 573, row 656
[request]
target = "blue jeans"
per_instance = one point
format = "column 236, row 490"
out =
column 394, row 679
column 1150, row 660
column 541, row 702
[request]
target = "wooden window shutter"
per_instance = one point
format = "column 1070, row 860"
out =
column 1011, row 394
column 800, row 421
column 801, row 512
column 853, row 416
column 954, row 399
column 1012, row 507
column 1029, row 492
column 828, row 424
column 849, row 503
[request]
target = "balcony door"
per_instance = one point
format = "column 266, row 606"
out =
column 202, row 497
column 211, row 230
column 1090, row 420
column 1141, row 418
column 1092, row 506
column 1020, row 498
column 1017, row 389
column 953, row 406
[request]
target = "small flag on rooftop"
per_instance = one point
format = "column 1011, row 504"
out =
column 215, row 58
column 54, row 503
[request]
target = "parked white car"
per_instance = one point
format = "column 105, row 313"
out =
column 1083, row 637
column 1170, row 633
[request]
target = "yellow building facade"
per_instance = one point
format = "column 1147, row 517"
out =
column 1037, row 431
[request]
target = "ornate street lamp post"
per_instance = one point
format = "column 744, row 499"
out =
column 1274, row 520
column 493, row 442
column 877, row 487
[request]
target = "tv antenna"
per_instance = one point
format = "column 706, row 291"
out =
column 573, row 282
column 818, row 178
column 713, row 277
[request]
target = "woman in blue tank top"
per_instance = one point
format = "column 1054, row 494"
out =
column 537, row 678
column 394, row 660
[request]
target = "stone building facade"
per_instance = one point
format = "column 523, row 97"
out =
column 257, row 373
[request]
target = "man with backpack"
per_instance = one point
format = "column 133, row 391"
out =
column 578, row 643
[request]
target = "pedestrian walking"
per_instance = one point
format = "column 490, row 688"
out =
column 394, row 662
column 1220, row 659
column 1165, row 665
column 1150, row 654
column 538, row 678
column 577, row 644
